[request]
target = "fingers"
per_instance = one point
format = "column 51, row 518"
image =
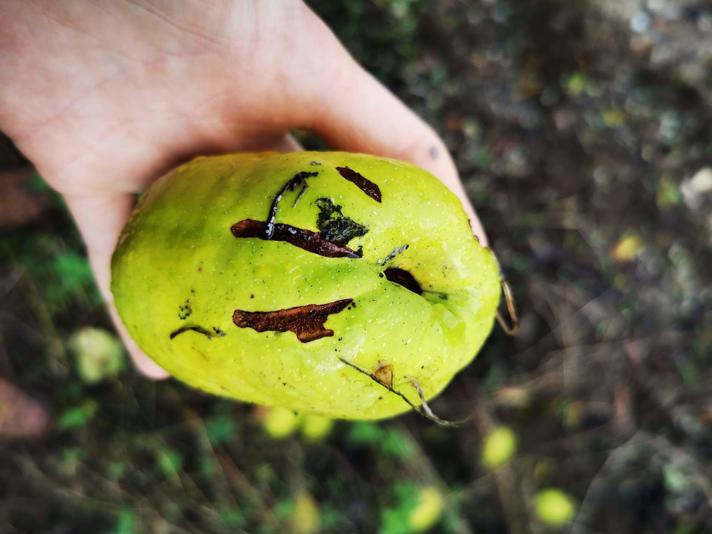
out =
column 357, row 113
column 100, row 220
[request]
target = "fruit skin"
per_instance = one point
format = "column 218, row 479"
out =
column 177, row 265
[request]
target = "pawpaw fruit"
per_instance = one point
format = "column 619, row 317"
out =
column 333, row 283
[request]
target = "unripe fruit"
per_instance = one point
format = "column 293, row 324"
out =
column 324, row 282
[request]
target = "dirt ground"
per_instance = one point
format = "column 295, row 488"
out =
column 583, row 133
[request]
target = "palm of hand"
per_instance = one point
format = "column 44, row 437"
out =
column 104, row 98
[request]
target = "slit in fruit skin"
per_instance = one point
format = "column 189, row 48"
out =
column 363, row 183
column 298, row 179
column 395, row 252
column 306, row 322
column 216, row 332
column 403, row 278
column 299, row 237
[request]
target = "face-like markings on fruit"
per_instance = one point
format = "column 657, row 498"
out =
column 306, row 322
column 384, row 374
column 334, row 225
column 184, row 310
column 403, row 278
column 295, row 181
column 363, row 183
column 395, row 252
column 216, row 332
column 305, row 239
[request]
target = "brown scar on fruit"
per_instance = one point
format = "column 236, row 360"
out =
column 299, row 237
column 423, row 409
column 295, row 181
column 363, row 183
column 199, row 329
column 384, row 374
column 306, row 322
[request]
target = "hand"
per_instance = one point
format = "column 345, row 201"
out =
column 103, row 97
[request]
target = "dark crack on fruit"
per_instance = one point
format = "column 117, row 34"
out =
column 334, row 225
column 403, row 278
column 310, row 241
column 295, row 181
column 306, row 322
column 299, row 195
column 199, row 329
column 363, row 183
column 395, row 252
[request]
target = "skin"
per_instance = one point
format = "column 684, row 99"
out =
column 104, row 97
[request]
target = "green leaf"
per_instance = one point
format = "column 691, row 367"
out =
column 396, row 444
column 220, row 429
column 170, row 462
column 77, row 416
column 126, row 523
column 364, row 433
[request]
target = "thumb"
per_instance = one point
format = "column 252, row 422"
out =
column 357, row 113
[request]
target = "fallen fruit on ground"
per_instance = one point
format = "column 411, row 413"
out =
column 339, row 284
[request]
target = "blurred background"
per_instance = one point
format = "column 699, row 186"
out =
column 583, row 133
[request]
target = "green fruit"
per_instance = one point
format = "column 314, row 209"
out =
column 499, row 446
column 323, row 282
column 554, row 507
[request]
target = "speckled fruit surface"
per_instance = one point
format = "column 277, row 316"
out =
column 288, row 279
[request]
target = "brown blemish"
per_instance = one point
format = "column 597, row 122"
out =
column 363, row 183
column 384, row 374
column 307, row 322
column 403, row 278
column 299, row 237
column 296, row 180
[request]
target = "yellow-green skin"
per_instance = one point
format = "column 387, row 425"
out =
column 178, row 250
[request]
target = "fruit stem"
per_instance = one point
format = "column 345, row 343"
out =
column 423, row 409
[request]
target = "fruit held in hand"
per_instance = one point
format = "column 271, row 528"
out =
column 325, row 282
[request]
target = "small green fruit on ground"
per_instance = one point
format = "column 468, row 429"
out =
column 498, row 447
column 554, row 507
column 322, row 282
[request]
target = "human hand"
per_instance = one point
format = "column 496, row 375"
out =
column 103, row 97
